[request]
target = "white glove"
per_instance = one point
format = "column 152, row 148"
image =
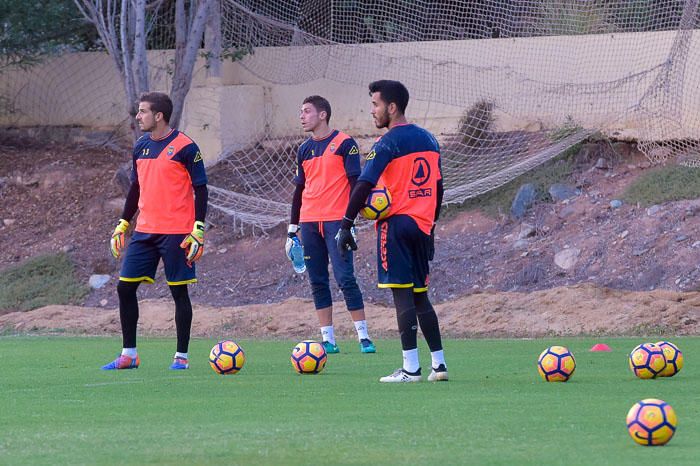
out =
column 291, row 233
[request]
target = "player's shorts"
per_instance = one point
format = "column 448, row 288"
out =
column 402, row 254
column 145, row 251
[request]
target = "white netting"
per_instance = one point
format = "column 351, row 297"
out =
column 505, row 84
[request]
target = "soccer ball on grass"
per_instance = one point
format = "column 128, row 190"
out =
column 673, row 356
column 556, row 364
column 647, row 361
column 308, row 357
column 651, row 422
column 226, row 357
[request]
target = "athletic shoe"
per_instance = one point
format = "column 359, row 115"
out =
column 179, row 364
column 330, row 347
column 366, row 346
column 438, row 374
column 400, row 375
column 122, row 362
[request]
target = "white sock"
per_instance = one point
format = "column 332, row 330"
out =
column 131, row 352
column 438, row 358
column 361, row 327
column 181, row 355
column 410, row 360
column 328, row 334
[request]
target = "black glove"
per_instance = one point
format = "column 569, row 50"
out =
column 345, row 241
column 431, row 244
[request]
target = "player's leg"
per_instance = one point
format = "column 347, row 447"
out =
column 427, row 318
column 394, row 272
column 316, row 257
column 183, row 325
column 344, row 273
column 179, row 274
column 430, row 326
column 128, row 315
column 139, row 265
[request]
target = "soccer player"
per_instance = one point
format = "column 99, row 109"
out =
column 328, row 164
column 169, row 188
column 407, row 161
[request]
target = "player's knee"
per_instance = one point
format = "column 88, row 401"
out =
column 322, row 295
column 353, row 298
column 127, row 289
column 180, row 293
column 408, row 327
column 320, row 289
column 423, row 305
column 349, row 286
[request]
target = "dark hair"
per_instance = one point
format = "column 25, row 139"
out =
column 160, row 102
column 392, row 92
column 320, row 104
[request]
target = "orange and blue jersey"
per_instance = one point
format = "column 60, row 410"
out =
column 407, row 161
column 166, row 170
column 323, row 168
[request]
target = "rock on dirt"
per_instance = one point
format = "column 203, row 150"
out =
column 567, row 258
column 97, row 281
column 524, row 199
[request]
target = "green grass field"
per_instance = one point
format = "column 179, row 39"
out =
column 58, row 408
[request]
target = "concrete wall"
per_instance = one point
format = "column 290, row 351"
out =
column 534, row 82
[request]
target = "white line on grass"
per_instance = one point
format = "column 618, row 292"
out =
column 102, row 384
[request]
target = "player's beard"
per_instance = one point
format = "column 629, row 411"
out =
column 147, row 129
column 381, row 120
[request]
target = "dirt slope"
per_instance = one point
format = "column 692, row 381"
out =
column 558, row 311
column 486, row 280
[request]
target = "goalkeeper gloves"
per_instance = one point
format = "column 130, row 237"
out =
column 345, row 241
column 291, row 234
column 193, row 244
column 116, row 244
column 431, row 244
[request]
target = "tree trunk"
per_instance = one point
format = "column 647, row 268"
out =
column 126, row 44
column 180, row 32
column 186, row 57
column 105, row 16
column 212, row 41
column 126, row 55
column 140, row 57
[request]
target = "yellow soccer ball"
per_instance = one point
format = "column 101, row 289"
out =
column 556, row 364
column 378, row 204
column 673, row 356
column 651, row 422
column 308, row 357
column 647, row 361
column 226, row 357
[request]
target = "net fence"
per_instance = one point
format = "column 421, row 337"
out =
column 514, row 83
column 504, row 85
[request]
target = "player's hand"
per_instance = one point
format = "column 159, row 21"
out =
column 345, row 241
column 431, row 244
column 116, row 244
column 193, row 244
column 353, row 232
column 291, row 234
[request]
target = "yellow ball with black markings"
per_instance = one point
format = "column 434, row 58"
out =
column 308, row 357
column 378, row 204
column 556, row 364
column 226, row 357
